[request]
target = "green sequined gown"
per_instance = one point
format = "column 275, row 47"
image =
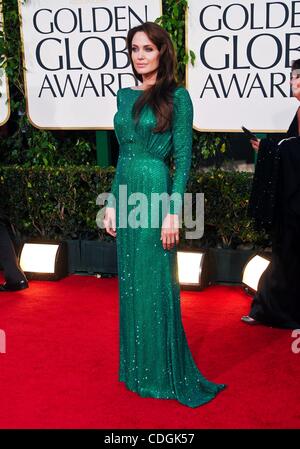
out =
column 155, row 360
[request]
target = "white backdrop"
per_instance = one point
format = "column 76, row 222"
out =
column 75, row 58
column 4, row 98
column 243, row 53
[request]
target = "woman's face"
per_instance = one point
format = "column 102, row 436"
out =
column 295, row 82
column 144, row 54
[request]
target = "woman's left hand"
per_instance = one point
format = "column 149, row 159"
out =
column 170, row 231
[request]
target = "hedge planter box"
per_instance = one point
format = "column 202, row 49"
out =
column 73, row 256
column 92, row 257
column 226, row 265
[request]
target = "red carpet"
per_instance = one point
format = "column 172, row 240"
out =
column 60, row 369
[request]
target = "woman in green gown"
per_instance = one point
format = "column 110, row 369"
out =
column 153, row 122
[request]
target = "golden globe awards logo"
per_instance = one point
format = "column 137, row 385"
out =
column 76, row 58
column 243, row 55
column 102, row 58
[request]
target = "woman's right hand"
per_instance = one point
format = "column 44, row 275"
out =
column 110, row 221
column 255, row 144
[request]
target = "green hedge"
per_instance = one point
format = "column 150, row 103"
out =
column 226, row 196
column 60, row 203
column 54, row 202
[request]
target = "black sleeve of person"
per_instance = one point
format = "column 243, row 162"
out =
column 265, row 184
column 293, row 129
column 266, row 181
column 290, row 167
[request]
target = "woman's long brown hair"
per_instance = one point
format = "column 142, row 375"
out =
column 296, row 64
column 159, row 96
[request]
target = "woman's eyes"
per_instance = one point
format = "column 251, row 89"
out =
column 148, row 49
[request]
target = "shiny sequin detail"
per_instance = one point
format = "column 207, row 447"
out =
column 155, row 360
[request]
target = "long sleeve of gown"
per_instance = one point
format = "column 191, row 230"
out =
column 112, row 197
column 182, row 131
